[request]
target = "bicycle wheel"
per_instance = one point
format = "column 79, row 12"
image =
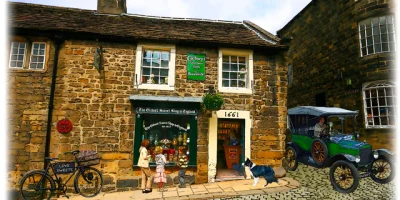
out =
column 35, row 185
column 88, row 182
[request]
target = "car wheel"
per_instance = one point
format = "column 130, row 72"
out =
column 290, row 160
column 319, row 152
column 382, row 170
column 344, row 176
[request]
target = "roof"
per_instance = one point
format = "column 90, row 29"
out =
column 312, row 2
column 137, row 27
column 320, row 111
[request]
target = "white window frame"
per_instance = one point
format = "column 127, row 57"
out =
column 363, row 25
column 11, row 54
column 249, row 59
column 171, row 67
column 378, row 84
column 44, row 55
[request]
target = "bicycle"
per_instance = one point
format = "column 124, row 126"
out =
column 39, row 184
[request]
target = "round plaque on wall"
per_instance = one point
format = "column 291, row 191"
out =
column 64, row 126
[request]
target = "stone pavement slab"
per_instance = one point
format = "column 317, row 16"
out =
column 233, row 189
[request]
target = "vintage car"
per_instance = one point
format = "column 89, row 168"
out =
column 337, row 147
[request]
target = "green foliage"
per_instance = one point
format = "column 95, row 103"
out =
column 213, row 101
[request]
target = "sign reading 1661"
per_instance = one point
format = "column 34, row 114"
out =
column 196, row 66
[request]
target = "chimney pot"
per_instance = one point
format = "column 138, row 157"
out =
column 115, row 7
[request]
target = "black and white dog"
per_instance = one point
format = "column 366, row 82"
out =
column 256, row 171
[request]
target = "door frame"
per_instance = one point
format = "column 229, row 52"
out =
column 213, row 139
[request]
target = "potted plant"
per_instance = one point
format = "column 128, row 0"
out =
column 213, row 101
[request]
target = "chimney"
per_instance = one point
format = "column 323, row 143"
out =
column 115, row 7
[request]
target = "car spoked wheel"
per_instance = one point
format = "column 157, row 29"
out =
column 344, row 176
column 290, row 159
column 382, row 170
column 319, row 152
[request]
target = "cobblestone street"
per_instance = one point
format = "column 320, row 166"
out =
column 316, row 185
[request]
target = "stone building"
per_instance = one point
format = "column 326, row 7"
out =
column 120, row 78
column 343, row 55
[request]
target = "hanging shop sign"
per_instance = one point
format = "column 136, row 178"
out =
column 166, row 111
column 196, row 66
column 64, row 126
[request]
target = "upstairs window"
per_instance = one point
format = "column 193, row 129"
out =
column 377, row 35
column 235, row 71
column 27, row 55
column 155, row 67
column 379, row 104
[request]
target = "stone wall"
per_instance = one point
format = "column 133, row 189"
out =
column 27, row 107
column 325, row 45
column 97, row 103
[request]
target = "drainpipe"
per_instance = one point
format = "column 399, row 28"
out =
column 57, row 43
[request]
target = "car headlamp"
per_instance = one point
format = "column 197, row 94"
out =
column 358, row 159
column 376, row 154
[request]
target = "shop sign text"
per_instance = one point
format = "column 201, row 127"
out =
column 170, row 111
column 231, row 114
column 196, row 66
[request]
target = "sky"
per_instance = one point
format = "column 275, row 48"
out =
column 271, row 15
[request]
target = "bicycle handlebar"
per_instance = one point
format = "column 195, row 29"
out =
column 72, row 152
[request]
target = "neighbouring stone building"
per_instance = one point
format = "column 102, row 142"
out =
column 342, row 54
column 119, row 78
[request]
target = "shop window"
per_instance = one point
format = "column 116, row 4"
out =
column 377, row 35
column 171, row 132
column 379, row 104
column 235, row 71
column 19, row 54
column 155, row 67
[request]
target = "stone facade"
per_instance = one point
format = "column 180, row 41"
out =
column 325, row 55
column 98, row 105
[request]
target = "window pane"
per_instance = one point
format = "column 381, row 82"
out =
column 15, row 51
column 375, row 21
column 146, row 71
column 35, row 52
column 369, row 40
column 377, row 39
column 369, row 32
column 242, row 60
column 155, row 63
column 234, row 67
column 388, row 91
column 42, row 46
column 376, row 121
column 389, row 101
column 13, row 64
column 41, row 59
column 381, row 92
column 225, row 83
column 234, row 59
column 35, row 45
column 156, row 55
column 384, row 38
column 370, row 49
column 21, row 51
column 391, row 37
column 375, row 30
column 392, row 46
column 19, row 64
column 382, row 101
column 364, row 51
column 225, row 75
column 390, row 28
column 14, row 57
column 165, row 56
column 22, row 45
column 374, row 102
column 383, row 28
column 390, row 19
column 155, row 71
column 378, row 48
column 385, row 47
column 21, row 58
column 33, row 65
column 225, row 59
column 41, row 52
column 368, row 23
column 384, row 121
column 34, row 59
column 147, row 54
column 242, row 84
column 368, row 103
column 146, row 62
column 164, row 72
column 39, row 66
column 363, row 43
column 164, row 63
column 225, row 67
column 382, row 20
column 233, row 83
column 234, row 75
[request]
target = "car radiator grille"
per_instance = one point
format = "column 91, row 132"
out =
column 366, row 156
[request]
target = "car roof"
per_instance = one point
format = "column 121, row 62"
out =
column 320, row 111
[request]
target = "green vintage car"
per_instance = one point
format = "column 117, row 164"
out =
column 336, row 147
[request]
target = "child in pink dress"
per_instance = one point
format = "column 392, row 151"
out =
column 160, row 176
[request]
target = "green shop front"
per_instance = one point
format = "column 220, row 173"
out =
column 168, row 122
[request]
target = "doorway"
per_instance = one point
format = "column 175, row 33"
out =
column 230, row 149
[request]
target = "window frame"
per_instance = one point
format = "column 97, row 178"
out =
column 375, row 85
column 248, row 54
column 171, row 66
column 28, row 51
column 372, row 25
column 11, row 54
column 31, row 54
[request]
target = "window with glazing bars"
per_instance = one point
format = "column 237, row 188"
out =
column 17, row 54
column 234, row 71
column 37, row 55
column 380, row 105
column 155, row 67
column 377, row 35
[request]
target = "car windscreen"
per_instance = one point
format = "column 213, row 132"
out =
column 348, row 124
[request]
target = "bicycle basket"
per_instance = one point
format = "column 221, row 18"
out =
column 88, row 159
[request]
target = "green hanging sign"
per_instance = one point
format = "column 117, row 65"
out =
column 196, row 66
